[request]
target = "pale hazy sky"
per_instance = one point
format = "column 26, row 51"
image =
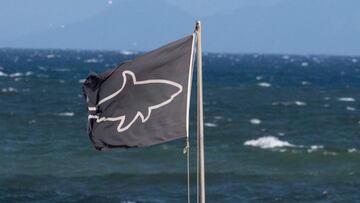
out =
column 268, row 26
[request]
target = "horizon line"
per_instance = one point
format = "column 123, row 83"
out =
column 136, row 52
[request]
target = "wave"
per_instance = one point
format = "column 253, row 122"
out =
column 264, row 84
column 93, row 60
column 255, row 121
column 50, row 56
column 271, row 142
column 16, row 75
column 9, row 89
column 212, row 125
column 268, row 142
column 81, row 81
column 2, row 74
column 305, row 83
column 125, row 52
column 304, row 64
column 346, row 99
column 350, row 108
column 289, row 103
column 352, row 150
column 69, row 114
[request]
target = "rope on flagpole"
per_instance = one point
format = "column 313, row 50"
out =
column 187, row 145
column 187, row 151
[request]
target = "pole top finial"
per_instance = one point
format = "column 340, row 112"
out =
column 198, row 25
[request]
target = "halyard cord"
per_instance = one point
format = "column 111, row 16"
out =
column 187, row 147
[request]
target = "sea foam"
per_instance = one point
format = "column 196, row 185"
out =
column 16, row 75
column 69, row 114
column 352, row 150
column 125, row 52
column 3, row 74
column 350, row 108
column 288, row 103
column 268, row 142
column 255, row 121
column 346, row 99
column 304, row 64
column 264, row 84
column 9, row 89
column 81, row 81
column 92, row 60
column 211, row 125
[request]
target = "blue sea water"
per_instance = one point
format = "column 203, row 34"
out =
column 278, row 128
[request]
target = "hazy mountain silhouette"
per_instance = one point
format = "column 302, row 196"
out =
column 21, row 18
column 124, row 26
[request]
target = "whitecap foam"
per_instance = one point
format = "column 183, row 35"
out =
column 327, row 153
column 255, row 121
column 282, row 150
column 125, row 52
column 305, row 83
column 346, row 99
column 42, row 68
column 354, row 60
column 62, row 69
column 286, row 57
column 315, row 148
column 264, row 84
column 268, row 142
column 288, row 103
column 304, row 64
column 350, row 108
column 128, row 201
column 211, row 125
column 32, row 121
column 300, row 103
column 93, row 60
column 9, row 89
column 2, row 74
column 81, row 81
column 69, row 114
column 50, row 56
column 352, row 150
column 259, row 77
column 16, row 75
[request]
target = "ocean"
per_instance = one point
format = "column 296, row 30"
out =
column 278, row 128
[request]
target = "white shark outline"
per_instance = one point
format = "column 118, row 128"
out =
column 143, row 118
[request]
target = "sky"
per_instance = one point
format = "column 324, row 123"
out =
column 231, row 26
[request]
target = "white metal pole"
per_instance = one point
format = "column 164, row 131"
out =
column 200, row 122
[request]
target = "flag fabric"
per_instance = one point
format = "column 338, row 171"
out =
column 144, row 101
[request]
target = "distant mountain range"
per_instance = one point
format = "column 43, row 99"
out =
column 300, row 27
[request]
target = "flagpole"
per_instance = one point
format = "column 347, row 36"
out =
column 200, row 122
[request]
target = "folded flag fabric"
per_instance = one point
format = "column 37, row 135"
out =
column 144, row 101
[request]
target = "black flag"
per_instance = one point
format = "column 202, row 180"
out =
column 144, row 101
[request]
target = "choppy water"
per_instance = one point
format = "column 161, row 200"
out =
column 279, row 128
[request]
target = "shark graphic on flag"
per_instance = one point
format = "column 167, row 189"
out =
column 144, row 101
column 137, row 112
